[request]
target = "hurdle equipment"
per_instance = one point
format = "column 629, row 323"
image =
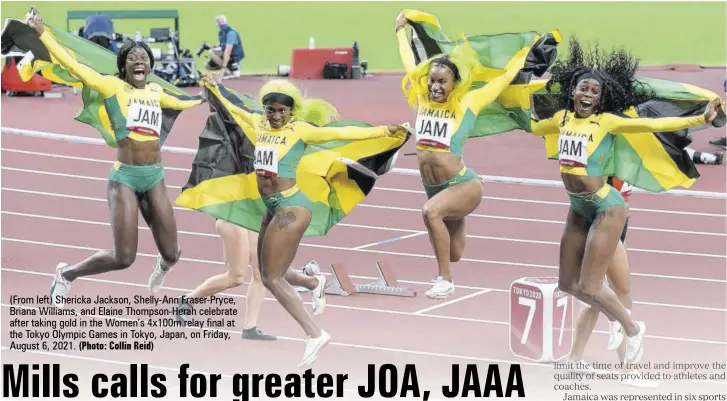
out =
column 541, row 319
column 385, row 283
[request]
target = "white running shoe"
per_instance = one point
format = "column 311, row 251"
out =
column 313, row 347
column 635, row 345
column 441, row 289
column 438, row 278
column 156, row 279
column 60, row 286
column 615, row 335
column 319, row 295
column 310, row 269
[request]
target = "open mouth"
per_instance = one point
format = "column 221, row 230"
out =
column 586, row 104
column 139, row 73
column 436, row 94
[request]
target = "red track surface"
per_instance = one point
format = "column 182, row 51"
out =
column 54, row 210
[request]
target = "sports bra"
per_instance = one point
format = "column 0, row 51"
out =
column 444, row 127
column 279, row 150
column 439, row 128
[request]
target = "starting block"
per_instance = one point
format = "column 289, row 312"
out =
column 385, row 283
column 340, row 283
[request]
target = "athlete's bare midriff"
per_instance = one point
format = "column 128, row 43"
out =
column 138, row 153
column 272, row 185
column 437, row 167
column 580, row 184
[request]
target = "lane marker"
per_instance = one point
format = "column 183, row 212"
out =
column 193, row 233
column 451, row 302
column 148, row 255
column 390, row 240
column 400, row 171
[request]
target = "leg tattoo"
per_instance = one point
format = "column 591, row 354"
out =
column 285, row 219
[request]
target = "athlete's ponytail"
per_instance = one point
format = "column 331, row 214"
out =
column 317, row 111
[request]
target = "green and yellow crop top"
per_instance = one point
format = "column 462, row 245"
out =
column 584, row 143
column 441, row 128
column 134, row 113
column 278, row 151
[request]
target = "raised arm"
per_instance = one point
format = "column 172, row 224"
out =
column 407, row 55
column 548, row 126
column 616, row 124
column 103, row 84
column 315, row 135
column 478, row 99
column 178, row 102
column 248, row 116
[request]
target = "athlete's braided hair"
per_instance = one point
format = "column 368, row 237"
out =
column 615, row 70
column 124, row 51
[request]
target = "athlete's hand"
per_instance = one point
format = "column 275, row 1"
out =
column 36, row 22
column 710, row 113
column 400, row 20
column 212, row 79
column 397, row 130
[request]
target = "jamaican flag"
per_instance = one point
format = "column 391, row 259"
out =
column 335, row 176
column 511, row 110
column 656, row 162
column 19, row 40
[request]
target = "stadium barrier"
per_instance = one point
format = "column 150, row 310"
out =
column 399, row 171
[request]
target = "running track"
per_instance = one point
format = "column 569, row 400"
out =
column 54, row 209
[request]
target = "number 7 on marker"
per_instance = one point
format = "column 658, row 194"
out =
column 562, row 302
column 530, row 303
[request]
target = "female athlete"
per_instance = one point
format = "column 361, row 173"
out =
column 239, row 249
column 136, row 181
column 589, row 99
column 291, row 122
column 618, row 277
column 439, row 88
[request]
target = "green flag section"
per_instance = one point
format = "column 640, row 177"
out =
column 656, row 162
column 336, row 176
column 19, row 40
column 511, row 109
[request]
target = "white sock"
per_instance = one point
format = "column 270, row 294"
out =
column 707, row 158
column 701, row 157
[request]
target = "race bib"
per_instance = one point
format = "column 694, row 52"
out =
column 434, row 131
column 144, row 119
column 572, row 151
column 266, row 162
